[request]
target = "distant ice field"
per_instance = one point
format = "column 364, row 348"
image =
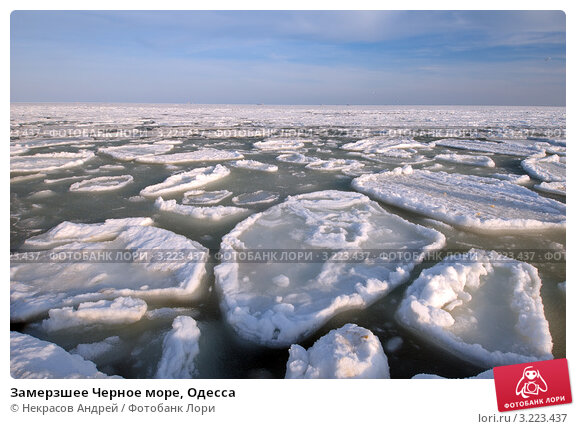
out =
column 147, row 240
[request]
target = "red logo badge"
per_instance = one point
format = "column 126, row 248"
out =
column 531, row 385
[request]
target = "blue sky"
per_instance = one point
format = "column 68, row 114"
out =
column 290, row 57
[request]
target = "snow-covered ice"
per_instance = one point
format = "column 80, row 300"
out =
column 34, row 358
column 558, row 188
column 201, row 155
column 481, row 306
column 476, row 160
column 385, row 144
column 480, row 203
column 548, row 169
column 120, row 311
column 258, row 197
column 93, row 351
column 335, row 165
column 131, row 152
column 212, row 213
column 201, row 197
column 279, row 145
column 39, row 287
column 296, row 158
column 508, row 147
column 185, row 181
column 249, row 164
column 518, row 179
column 48, row 161
column 102, row 184
column 280, row 313
column 347, row 352
column 180, row 349
column 27, row 178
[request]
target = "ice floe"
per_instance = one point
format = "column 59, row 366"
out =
column 92, row 262
column 120, row 311
column 212, row 213
column 479, row 161
column 548, row 169
column 507, row 147
column 479, row 203
column 180, row 350
column 296, row 158
column 202, row 155
column 34, row 358
column 185, row 181
column 48, row 162
column 27, row 178
column 93, row 351
column 102, row 184
column 279, row 145
column 131, row 152
column 518, row 179
column 249, row 164
column 558, row 188
column 258, row 197
column 385, row 144
column 335, row 165
column 347, row 352
column 201, row 197
column 276, row 303
column 481, row 306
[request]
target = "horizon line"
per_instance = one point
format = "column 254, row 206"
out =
column 282, row 104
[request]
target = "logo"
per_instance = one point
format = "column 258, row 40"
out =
column 531, row 385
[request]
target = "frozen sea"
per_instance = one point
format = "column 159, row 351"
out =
column 189, row 183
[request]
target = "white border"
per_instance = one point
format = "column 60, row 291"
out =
column 288, row 403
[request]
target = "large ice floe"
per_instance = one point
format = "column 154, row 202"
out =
column 34, row 358
column 132, row 152
column 102, row 184
column 347, row 352
column 480, row 203
column 212, row 213
column 548, row 169
column 385, row 144
column 505, row 147
column 103, row 261
column 481, row 306
column 201, row 155
column 185, row 181
column 48, row 161
column 180, row 349
column 278, row 303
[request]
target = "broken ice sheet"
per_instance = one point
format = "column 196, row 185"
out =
column 277, row 304
column 38, row 287
column 482, row 307
column 482, row 204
